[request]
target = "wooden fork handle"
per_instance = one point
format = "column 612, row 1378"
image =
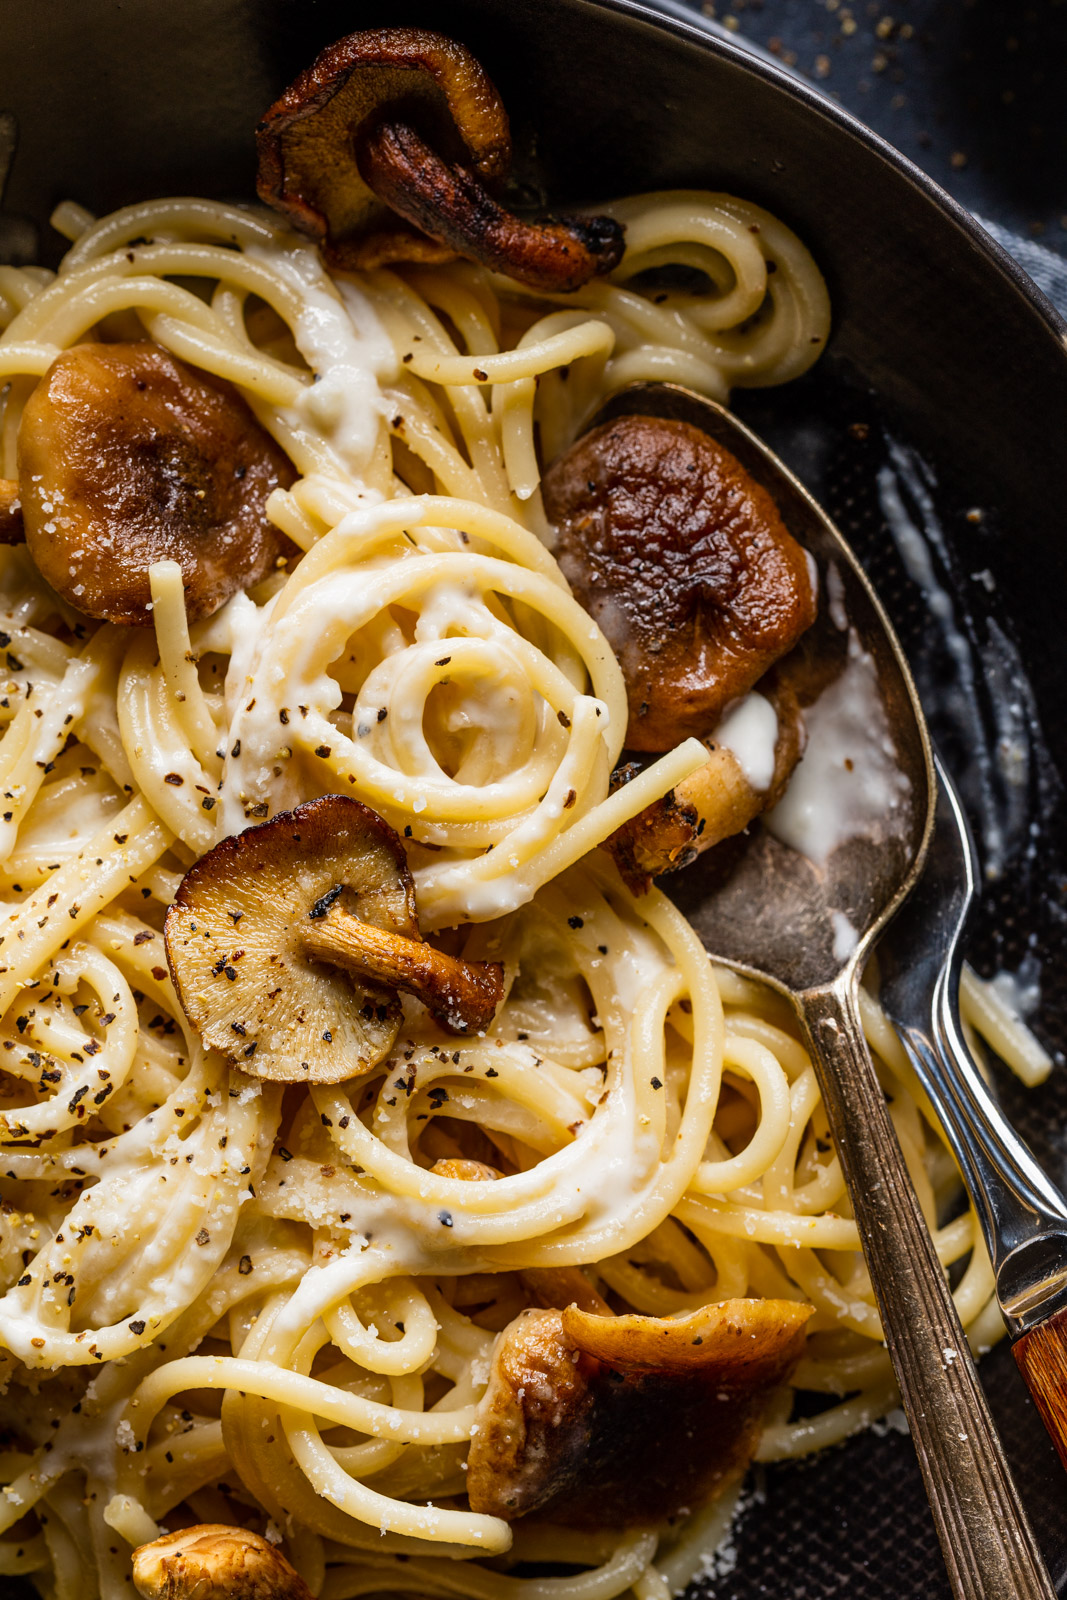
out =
column 1041, row 1356
column 986, row 1539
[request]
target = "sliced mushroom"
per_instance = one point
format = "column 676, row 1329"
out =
column 714, row 803
column 686, row 565
column 215, row 1562
column 11, row 528
column 622, row 1421
column 128, row 457
column 386, row 149
column 261, row 924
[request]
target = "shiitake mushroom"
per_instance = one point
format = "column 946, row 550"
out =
column 128, row 456
column 288, row 942
column 394, row 145
column 716, row 801
column 214, row 1561
column 684, row 561
column 604, row 1421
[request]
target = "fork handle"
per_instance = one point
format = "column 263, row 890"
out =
column 986, row 1540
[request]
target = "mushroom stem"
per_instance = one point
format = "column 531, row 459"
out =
column 11, row 528
column 449, row 204
column 713, row 803
column 463, row 995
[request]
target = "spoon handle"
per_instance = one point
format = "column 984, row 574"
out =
column 989, row 1549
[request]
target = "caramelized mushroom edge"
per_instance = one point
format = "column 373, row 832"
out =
column 393, row 146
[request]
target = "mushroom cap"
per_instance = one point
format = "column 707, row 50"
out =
column 685, row 563
column 215, row 1562
column 603, row 1421
column 307, row 140
column 234, row 938
column 127, row 456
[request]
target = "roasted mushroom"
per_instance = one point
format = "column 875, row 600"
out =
column 128, row 457
column 621, row 1421
column 261, row 924
column 715, row 802
column 11, row 528
column 215, row 1562
column 686, row 565
column 386, row 149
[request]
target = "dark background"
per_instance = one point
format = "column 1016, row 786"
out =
column 973, row 91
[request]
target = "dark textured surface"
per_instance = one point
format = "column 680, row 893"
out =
column 853, row 1522
column 971, row 90
column 116, row 102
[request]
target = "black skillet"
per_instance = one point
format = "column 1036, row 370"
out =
column 940, row 345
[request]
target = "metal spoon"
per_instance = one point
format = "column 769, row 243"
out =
column 1022, row 1213
column 767, row 911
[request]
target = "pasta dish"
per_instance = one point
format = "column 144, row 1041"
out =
column 385, row 1170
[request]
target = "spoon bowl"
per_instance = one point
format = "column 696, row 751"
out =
column 761, row 905
column 804, row 921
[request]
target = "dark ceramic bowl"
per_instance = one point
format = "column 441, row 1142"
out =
column 945, row 382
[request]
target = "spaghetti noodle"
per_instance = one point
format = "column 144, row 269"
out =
column 225, row 1301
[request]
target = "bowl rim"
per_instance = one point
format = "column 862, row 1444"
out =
column 674, row 17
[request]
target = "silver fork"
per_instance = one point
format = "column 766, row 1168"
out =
column 1022, row 1214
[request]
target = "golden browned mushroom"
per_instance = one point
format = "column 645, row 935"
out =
column 387, row 149
column 11, row 528
column 622, row 1421
column 261, row 925
column 214, row 1562
column 686, row 565
column 128, row 457
column 714, row 803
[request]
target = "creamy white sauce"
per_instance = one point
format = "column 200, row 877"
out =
column 835, row 597
column 749, row 730
column 848, row 784
column 306, row 640
column 259, row 686
column 813, row 574
column 845, row 936
column 344, row 344
column 600, row 1179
